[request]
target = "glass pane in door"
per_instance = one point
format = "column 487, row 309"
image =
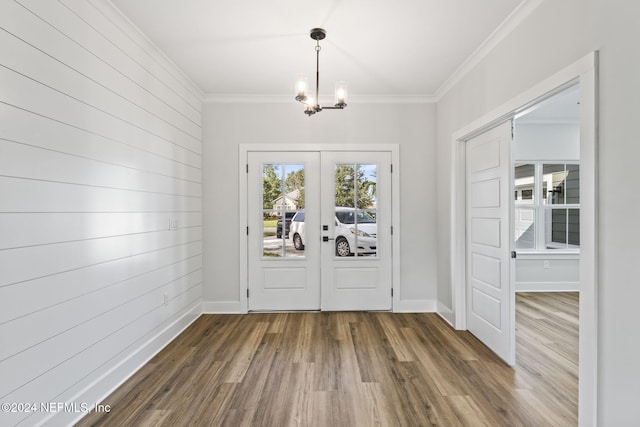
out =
column 282, row 199
column 355, row 210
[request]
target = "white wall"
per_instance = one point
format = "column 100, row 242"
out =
column 547, row 272
column 100, row 141
column 544, row 141
column 409, row 125
column 555, row 35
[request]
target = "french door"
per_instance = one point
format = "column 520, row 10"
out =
column 319, row 230
column 356, row 212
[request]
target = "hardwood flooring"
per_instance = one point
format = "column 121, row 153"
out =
column 356, row 369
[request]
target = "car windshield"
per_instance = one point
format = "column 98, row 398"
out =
column 348, row 217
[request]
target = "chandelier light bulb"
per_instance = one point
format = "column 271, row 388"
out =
column 310, row 101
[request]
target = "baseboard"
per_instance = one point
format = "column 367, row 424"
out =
column 415, row 306
column 547, row 286
column 446, row 313
column 403, row 306
column 221, row 307
column 110, row 380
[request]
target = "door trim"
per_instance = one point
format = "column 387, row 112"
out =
column 584, row 72
column 243, row 151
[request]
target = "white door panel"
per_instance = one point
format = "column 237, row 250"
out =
column 486, row 232
column 361, row 280
column 487, row 269
column 485, row 194
column 281, row 277
column 490, row 299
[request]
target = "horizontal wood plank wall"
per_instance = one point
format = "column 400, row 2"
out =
column 100, row 150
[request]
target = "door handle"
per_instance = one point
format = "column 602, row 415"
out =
column 327, row 238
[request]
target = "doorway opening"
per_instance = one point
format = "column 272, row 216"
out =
column 546, row 200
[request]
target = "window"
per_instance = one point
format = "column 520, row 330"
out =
column 547, row 206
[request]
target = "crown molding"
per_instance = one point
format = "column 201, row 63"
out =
column 512, row 21
column 393, row 99
column 213, row 98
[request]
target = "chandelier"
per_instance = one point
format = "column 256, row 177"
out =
column 302, row 84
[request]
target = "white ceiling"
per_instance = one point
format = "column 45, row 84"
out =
column 379, row 47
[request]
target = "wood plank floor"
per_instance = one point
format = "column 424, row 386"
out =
column 356, row 369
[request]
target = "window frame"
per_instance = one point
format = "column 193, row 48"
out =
column 542, row 209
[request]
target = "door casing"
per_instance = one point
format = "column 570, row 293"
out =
column 244, row 149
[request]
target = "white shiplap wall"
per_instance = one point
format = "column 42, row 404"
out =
column 100, row 149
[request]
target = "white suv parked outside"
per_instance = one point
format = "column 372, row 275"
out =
column 349, row 223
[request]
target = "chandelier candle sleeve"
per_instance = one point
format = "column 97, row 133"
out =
column 302, row 85
column 341, row 94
